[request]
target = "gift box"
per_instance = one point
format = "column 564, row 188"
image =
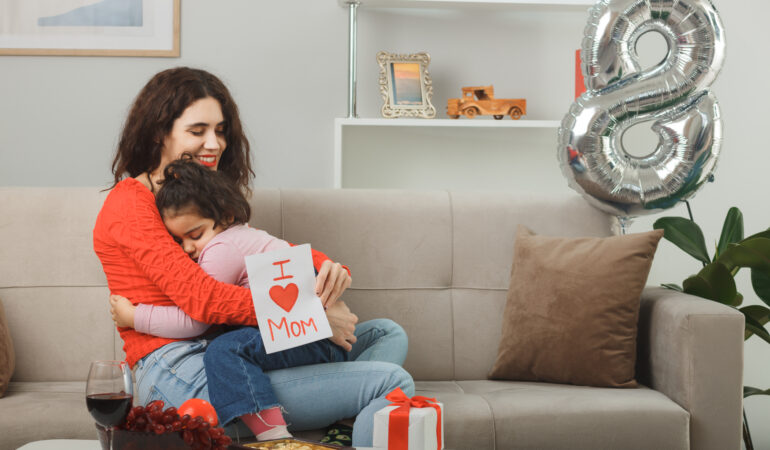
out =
column 414, row 423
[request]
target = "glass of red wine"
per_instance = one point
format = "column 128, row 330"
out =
column 109, row 393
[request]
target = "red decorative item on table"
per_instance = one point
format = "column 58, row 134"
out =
column 199, row 407
column 409, row 423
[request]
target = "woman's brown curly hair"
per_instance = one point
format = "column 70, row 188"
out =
column 163, row 100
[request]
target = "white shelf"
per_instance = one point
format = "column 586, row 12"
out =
column 454, row 123
column 465, row 3
column 405, row 125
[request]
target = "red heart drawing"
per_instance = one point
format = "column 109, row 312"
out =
column 285, row 297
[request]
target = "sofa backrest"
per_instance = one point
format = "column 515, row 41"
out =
column 52, row 284
column 436, row 262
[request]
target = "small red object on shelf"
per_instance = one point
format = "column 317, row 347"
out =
column 580, row 85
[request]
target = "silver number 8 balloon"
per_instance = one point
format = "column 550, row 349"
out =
column 673, row 97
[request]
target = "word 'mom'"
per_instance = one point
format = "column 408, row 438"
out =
column 292, row 328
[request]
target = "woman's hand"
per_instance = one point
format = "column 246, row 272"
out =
column 343, row 325
column 331, row 282
column 122, row 311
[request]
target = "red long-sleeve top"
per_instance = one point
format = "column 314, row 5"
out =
column 144, row 264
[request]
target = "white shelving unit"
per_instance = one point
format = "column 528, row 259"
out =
column 341, row 126
column 475, row 128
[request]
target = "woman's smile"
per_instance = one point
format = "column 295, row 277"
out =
column 207, row 160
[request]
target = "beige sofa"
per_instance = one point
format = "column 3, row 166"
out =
column 436, row 262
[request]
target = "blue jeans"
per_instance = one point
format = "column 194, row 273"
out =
column 312, row 396
column 236, row 363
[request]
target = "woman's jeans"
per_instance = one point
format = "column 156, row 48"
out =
column 312, row 396
column 236, row 362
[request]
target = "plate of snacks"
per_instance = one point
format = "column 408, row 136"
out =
column 285, row 444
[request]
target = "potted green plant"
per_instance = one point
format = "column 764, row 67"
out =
column 716, row 280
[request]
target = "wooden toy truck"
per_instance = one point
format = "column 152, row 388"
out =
column 485, row 104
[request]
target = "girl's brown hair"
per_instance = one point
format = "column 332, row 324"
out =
column 162, row 100
column 188, row 186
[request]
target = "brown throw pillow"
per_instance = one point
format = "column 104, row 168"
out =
column 7, row 357
column 572, row 309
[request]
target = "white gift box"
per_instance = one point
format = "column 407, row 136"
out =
column 422, row 428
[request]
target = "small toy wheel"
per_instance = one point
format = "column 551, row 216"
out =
column 498, row 116
column 471, row 112
column 515, row 113
column 454, row 116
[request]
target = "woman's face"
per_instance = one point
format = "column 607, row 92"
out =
column 199, row 131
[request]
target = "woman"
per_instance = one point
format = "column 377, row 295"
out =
column 186, row 110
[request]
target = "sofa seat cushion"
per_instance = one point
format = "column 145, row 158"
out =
column 45, row 410
column 530, row 415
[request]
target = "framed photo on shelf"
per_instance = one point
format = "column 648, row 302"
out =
column 405, row 85
column 90, row 28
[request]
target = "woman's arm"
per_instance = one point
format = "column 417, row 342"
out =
column 133, row 223
column 224, row 261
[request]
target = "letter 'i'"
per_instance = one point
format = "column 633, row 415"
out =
column 282, row 277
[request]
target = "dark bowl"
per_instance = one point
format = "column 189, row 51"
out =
column 140, row 440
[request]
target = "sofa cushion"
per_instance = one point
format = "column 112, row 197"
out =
column 51, row 342
column 572, row 309
column 7, row 356
column 41, row 410
column 531, row 415
column 416, row 310
column 469, row 422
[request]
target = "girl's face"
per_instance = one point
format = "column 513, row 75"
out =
column 199, row 131
column 192, row 231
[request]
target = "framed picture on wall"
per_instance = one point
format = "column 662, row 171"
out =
column 405, row 85
column 90, row 27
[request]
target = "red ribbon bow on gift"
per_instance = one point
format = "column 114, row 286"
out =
column 398, row 428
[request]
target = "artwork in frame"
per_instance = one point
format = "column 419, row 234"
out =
column 90, row 27
column 405, row 85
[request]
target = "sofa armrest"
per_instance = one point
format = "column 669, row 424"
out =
column 691, row 350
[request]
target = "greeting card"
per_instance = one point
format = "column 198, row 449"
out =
column 289, row 313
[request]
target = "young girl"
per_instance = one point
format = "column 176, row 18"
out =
column 208, row 217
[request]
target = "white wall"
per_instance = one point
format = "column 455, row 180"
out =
column 285, row 63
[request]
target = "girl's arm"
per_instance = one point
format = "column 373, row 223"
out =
column 162, row 321
column 167, row 322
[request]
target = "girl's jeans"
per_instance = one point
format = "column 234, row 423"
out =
column 312, row 396
column 236, row 363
